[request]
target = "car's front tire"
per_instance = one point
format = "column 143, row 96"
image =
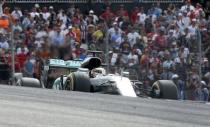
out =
column 165, row 89
column 78, row 81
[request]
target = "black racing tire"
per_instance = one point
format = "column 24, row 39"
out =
column 29, row 82
column 78, row 81
column 166, row 90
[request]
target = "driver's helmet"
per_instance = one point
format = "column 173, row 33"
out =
column 99, row 71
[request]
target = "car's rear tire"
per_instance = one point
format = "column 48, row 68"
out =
column 29, row 82
column 78, row 81
column 165, row 89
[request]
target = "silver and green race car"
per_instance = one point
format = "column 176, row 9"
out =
column 90, row 77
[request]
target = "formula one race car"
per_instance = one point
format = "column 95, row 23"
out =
column 91, row 78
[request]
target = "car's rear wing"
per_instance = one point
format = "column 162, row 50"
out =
column 64, row 64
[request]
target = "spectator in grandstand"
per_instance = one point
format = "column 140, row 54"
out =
column 208, row 13
column 172, row 38
column 28, row 69
column 168, row 67
column 199, row 12
column 3, row 42
column 125, row 50
column 44, row 53
column 34, row 12
column 107, row 15
column 149, row 27
column 141, row 16
column 115, row 33
column 94, row 16
column 157, row 10
column 205, row 66
column 133, row 36
column 193, row 84
column 180, row 86
column 166, row 74
column 62, row 17
column 134, row 15
column 152, row 75
column 58, row 42
column 192, row 28
column 41, row 33
column 184, row 54
column 174, row 50
column 77, row 52
column 140, row 43
column 160, row 42
column 17, row 13
column 180, row 22
column 17, row 25
column 207, row 53
column 37, row 68
column 52, row 18
column 125, row 47
column 133, row 59
column 7, row 13
column 38, row 43
column 188, row 6
column 71, row 37
column 180, row 68
column 201, row 92
column 45, row 13
column 98, row 37
column 122, row 12
column 26, row 20
column 1, row 7
column 77, row 32
column 205, row 91
column 207, row 78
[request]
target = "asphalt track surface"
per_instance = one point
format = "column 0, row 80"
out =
column 33, row 107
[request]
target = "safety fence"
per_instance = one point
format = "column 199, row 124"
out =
column 161, row 1
column 138, row 1
column 47, row 1
column 94, row 1
column 113, row 1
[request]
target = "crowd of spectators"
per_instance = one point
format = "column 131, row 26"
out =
column 156, row 43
